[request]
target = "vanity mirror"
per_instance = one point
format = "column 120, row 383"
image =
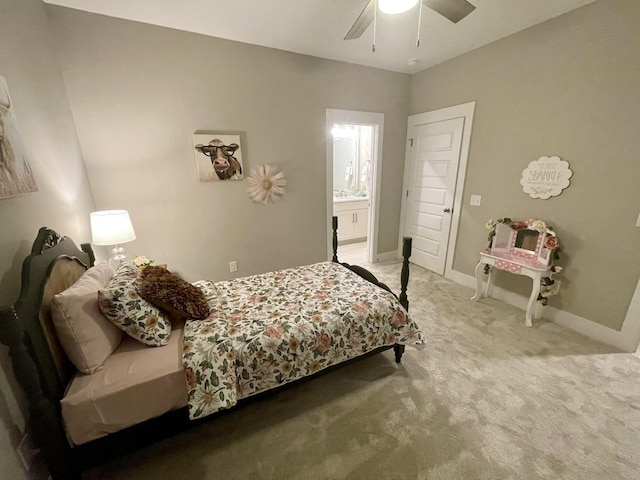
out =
column 525, row 240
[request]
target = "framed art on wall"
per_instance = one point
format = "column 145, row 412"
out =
column 16, row 177
column 218, row 156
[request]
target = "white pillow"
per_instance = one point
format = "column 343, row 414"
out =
column 86, row 335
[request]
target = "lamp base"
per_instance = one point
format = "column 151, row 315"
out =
column 117, row 256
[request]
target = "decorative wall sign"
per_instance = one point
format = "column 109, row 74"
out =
column 15, row 174
column 218, row 156
column 546, row 177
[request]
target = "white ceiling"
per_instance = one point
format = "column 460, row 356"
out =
column 317, row 27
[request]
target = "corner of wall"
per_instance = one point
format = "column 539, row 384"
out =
column 626, row 339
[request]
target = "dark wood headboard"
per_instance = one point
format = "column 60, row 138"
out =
column 39, row 363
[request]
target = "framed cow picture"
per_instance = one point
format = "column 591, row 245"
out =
column 218, row 156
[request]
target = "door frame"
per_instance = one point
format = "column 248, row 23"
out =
column 464, row 111
column 354, row 117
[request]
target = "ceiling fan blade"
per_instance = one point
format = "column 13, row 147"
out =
column 454, row 10
column 363, row 21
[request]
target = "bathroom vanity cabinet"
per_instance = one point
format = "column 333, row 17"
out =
column 353, row 217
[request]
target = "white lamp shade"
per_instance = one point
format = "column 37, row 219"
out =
column 111, row 227
column 396, row 6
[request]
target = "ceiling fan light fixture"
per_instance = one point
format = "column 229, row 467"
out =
column 396, row 6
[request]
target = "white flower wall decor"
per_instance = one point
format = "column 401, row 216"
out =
column 266, row 185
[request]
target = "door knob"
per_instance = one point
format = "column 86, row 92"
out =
column 447, row 210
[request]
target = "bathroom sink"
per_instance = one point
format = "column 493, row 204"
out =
column 349, row 198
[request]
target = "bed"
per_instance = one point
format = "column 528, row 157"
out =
column 98, row 388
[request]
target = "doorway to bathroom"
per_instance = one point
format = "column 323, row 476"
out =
column 353, row 152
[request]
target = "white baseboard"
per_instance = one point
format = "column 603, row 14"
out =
column 626, row 340
column 387, row 256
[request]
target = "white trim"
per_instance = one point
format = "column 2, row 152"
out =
column 625, row 339
column 631, row 325
column 387, row 256
column 465, row 111
column 353, row 117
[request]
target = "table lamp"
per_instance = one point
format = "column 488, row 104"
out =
column 112, row 227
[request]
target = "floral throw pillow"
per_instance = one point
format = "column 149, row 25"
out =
column 121, row 303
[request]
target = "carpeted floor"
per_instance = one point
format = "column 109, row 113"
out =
column 486, row 398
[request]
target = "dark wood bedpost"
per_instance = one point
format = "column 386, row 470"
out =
column 43, row 422
column 334, row 226
column 86, row 248
column 404, row 281
column 404, row 274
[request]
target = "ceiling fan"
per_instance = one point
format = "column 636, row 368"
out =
column 454, row 10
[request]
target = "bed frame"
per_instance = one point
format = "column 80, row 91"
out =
column 43, row 370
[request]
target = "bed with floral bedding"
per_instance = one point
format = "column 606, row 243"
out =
column 271, row 329
column 104, row 369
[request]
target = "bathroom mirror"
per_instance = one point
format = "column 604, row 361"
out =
column 352, row 153
column 345, row 163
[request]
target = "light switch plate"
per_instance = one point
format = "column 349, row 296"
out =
column 476, row 200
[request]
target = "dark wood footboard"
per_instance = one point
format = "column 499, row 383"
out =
column 370, row 277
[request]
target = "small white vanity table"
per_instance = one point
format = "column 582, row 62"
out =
column 521, row 252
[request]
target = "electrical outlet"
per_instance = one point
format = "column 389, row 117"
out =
column 476, row 200
column 233, row 266
column 26, row 451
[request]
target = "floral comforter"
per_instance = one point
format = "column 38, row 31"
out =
column 270, row 329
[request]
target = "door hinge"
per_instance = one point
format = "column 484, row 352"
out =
column 411, row 142
column 407, row 193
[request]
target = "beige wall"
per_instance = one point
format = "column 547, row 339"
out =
column 63, row 199
column 138, row 92
column 567, row 87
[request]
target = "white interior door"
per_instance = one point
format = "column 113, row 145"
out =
column 435, row 155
